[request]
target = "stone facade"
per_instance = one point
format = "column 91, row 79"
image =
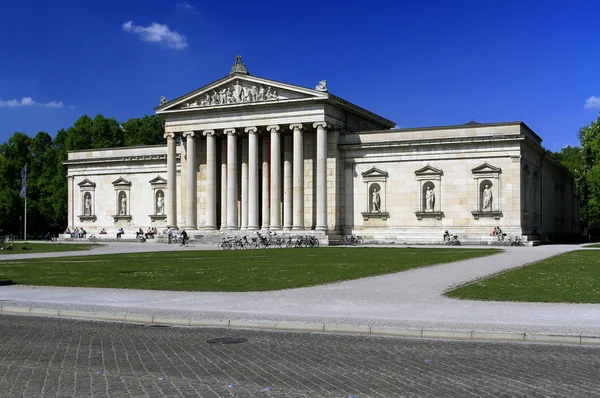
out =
column 246, row 154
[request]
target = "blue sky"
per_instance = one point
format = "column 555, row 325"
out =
column 418, row 63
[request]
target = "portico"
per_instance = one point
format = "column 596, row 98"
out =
column 281, row 170
column 274, row 170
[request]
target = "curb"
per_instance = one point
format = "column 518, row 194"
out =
column 288, row 326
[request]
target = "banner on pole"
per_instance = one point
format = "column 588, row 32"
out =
column 23, row 193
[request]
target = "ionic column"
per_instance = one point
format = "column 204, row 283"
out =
column 190, row 171
column 265, row 184
column 171, row 196
column 288, row 153
column 244, row 202
column 298, row 186
column 211, row 180
column 223, row 184
column 321, row 175
column 252, row 178
column 275, row 177
column 232, row 222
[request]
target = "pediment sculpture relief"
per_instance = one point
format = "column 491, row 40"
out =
column 237, row 94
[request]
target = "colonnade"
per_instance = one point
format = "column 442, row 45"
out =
column 271, row 195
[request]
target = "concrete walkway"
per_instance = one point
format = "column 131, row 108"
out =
column 405, row 302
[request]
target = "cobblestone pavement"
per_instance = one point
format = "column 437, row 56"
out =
column 61, row 358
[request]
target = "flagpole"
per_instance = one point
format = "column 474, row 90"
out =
column 25, row 227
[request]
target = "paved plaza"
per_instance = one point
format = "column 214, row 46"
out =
column 45, row 357
column 409, row 300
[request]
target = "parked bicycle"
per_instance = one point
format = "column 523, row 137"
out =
column 353, row 240
column 93, row 239
column 515, row 241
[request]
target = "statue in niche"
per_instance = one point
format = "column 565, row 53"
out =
column 123, row 208
column 87, row 206
column 487, row 198
column 429, row 199
column 160, row 204
column 376, row 200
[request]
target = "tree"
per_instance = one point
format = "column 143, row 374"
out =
column 148, row 130
column 46, row 180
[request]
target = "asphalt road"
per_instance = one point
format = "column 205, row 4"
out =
column 69, row 358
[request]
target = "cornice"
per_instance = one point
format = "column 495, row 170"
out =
column 431, row 142
column 117, row 159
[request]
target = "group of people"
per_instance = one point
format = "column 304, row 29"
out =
column 170, row 235
column 497, row 232
column 76, row 233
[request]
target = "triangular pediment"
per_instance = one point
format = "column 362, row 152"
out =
column 486, row 168
column 121, row 182
column 374, row 172
column 87, row 184
column 158, row 180
column 428, row 170
column 238, row 90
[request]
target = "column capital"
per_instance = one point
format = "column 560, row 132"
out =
column 296, row 126
column 252, row 129
column 188, row 134
column 208, row 132
column 320, row 124
column 229, row 131
column 169, row 134
column 273, row 128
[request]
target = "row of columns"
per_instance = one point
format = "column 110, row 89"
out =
column 293, row 173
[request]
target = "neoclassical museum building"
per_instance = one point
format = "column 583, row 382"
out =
column 246, row 154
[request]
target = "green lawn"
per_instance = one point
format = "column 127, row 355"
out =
column 572, row 277
column 227, row 271
column 596, row 246
column 27, row 247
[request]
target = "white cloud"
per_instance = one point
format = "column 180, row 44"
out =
column 28, row 101
column 592, row 103
column 186, row 6
column 157, row 33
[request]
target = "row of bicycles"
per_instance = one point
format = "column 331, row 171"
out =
column 268, row 240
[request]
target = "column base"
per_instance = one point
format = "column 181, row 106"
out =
column 210, row 227
column 189, row 227
column 231, row 228
column 296, row 228
column 320, row 228
column 253, row 228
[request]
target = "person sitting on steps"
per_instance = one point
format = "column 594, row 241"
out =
column 120, row 232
